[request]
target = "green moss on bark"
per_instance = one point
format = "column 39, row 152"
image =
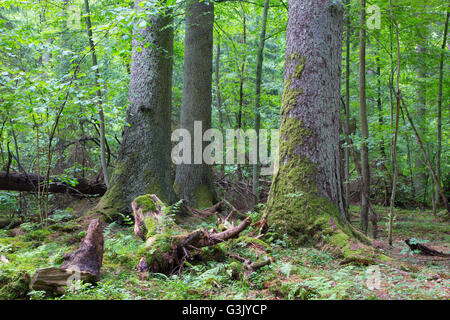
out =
column 294, row 207
column 203, row 197
column 146, row 203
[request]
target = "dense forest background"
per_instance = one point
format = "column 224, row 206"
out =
column 65, row 72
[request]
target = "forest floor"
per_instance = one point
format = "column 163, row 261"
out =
column 296, row 273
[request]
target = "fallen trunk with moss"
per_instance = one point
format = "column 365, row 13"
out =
column 15, row 181
column 167, row 245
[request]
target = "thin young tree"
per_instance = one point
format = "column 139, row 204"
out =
column 365, row 178
column 347, row 109
column 99, row 95
column 259, row 65
column 397, row 115
column 439, row 114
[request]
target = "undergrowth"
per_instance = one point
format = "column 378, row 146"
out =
column 296, row 273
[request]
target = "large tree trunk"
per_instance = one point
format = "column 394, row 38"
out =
column 193, row 181
column 144, row 164
column 14, row 181
column 306, row 197
column 308, row 174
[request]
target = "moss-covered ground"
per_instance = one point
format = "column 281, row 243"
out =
column 297, row 273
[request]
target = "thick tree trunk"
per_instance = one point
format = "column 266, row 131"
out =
column 193, row 181
column 306, row 197
column 14, row 181
column 144, row 164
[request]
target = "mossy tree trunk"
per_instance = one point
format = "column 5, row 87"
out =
column 306, row 197
column 144, row 164
column 193, row 181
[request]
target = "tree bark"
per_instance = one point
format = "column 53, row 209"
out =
column 194, row 181
column 363, row 120
column 397, row 115
column 144, row 164
column 347, row 112
column 306, row 193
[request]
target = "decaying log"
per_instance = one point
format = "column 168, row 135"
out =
column 208, row 211
column 184, row 247
column 150, row 207
column 14, row 181
column 53, row 279
column 424, row 249
column 84, row 264
column 8, row 223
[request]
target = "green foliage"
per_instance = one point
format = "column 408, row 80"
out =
column 14, row 285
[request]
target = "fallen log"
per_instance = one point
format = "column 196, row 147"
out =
column 149, row 210
column 27, row 182
column 424, row 249
column 83, row 264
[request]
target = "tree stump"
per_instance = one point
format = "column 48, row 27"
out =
column 83, row 264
